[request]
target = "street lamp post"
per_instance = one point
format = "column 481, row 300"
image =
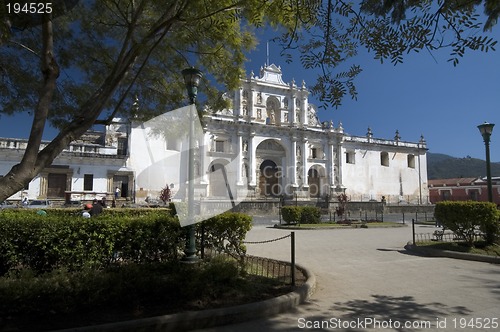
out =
column 192, row 77
column 486, row 129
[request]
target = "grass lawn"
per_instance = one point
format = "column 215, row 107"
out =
column 479, row 248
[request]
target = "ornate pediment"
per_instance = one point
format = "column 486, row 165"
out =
column 271, row 74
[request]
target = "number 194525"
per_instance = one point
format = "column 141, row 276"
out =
column 29, row 8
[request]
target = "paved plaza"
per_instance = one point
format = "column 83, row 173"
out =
column 366, row 281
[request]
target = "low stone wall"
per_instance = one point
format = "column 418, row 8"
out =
column 272, row 206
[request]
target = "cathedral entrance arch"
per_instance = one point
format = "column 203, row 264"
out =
column 315, row 177
column 270, row 156
column 269, row 182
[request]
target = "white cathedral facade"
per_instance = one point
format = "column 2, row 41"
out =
column 268, row 144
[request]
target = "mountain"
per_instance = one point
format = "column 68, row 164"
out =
column 442, row 166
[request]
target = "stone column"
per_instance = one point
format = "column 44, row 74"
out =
column 330, row 164
column 304, row 162
column 252, row 160
column 239, row 158
column 293, row 161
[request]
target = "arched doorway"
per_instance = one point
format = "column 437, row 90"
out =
column 314, row 179
column 269, row 183
column 271, row 157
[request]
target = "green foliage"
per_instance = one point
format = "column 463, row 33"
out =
column 226, row 232
column 310, row 215
column 291, row 214
column 125, row 287
column 301, row 214
column 465, row 218
column 63, row 239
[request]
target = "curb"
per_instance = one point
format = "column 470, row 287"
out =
column 452, row 254
column 192, row 320
column 355, row 226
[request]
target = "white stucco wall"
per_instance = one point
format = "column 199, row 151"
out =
column 368, row 179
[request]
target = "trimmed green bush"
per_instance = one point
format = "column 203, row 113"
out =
column 63, row 239
column 464, row 218
column 301, row 214
column 291, row 214
column 310, row 215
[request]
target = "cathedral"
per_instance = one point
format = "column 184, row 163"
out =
column 268, row 144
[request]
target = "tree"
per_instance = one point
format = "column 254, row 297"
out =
column 389, row 29
column 109, row 51
column 96, row 57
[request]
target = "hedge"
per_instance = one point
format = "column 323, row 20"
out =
column 65, row 239
column 301, row 214
column 464, row 218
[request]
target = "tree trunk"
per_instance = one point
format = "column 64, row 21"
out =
column 21, row 174
column 34, row 160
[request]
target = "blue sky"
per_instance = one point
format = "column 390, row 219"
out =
column 424, row 95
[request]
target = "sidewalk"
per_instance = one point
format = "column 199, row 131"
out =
column 366, row 280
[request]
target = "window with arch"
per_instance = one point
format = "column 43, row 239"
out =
column 411, row 161
column 350, row 157
column 384, row 158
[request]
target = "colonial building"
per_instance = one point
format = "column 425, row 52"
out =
column 268, row 143
column 463, row 189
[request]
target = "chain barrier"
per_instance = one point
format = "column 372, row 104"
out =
column 268, row 241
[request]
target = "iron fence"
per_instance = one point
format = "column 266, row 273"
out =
column 379, row 216
column 440, row 236
column 283, row 271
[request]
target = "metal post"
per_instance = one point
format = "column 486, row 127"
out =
column 413, row 230
column 292, row 243
column 192, row 78
column 488, row 170
column 191, row 243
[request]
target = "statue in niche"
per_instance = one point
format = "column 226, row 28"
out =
column 297, row 116
column 245, row 94
column 298, row 151
column 259, row 98
column 285, row 102
column 245, row 145
column 286, row 116
column 272, row 118
column 244, row 171
column 245, row 109
column 297, row 102
column 259, row 113
column 212, row 146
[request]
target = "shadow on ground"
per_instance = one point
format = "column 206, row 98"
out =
column 385, row 312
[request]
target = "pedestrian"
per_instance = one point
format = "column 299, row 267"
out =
column 96, row 208
column 103, row 202
column 86, row 209
column 117, row 192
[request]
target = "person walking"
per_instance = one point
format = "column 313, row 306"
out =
column 117, row 192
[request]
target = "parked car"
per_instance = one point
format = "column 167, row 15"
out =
column 39, row 204
column 7, row 205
